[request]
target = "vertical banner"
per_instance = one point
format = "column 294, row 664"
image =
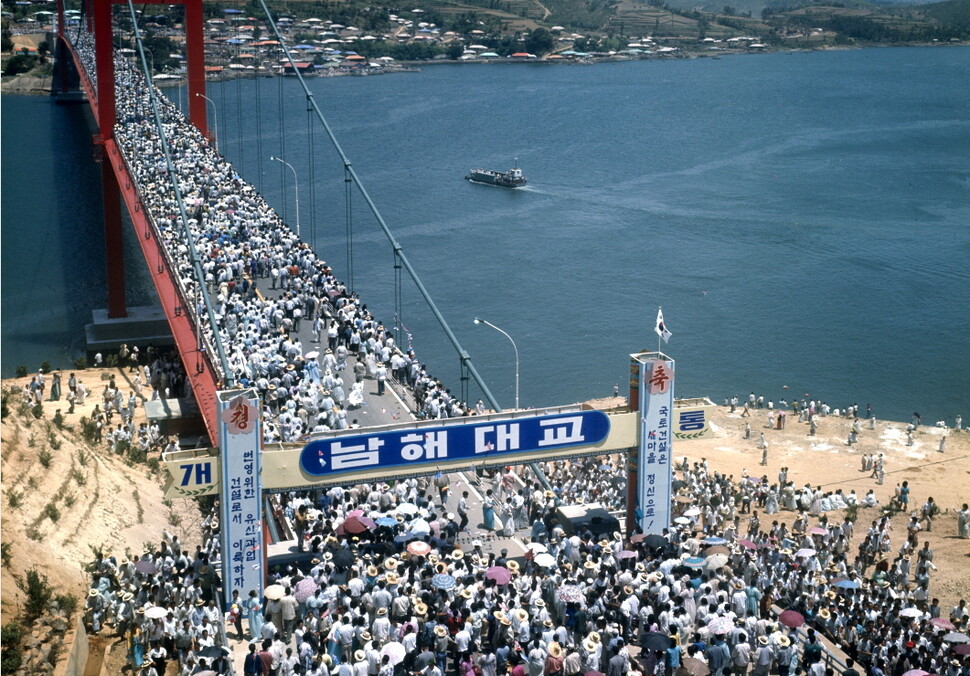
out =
column 656, row 434
column 241, row 494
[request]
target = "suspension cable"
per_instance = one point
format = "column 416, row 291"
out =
column 206, row 304
column 349, row 207
column 463, row 355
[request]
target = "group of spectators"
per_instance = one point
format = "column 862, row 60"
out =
column 266, row 285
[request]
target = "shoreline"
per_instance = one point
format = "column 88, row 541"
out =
column 12, row 85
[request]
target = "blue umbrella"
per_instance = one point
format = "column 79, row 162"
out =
column 694, row 562
column 232, row 11
column 847, row 584
column 442, row 581
column 714, row 541
column 386, row 521
column 405, row 537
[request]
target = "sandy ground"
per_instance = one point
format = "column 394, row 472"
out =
column 101, row 501
column 826, row 460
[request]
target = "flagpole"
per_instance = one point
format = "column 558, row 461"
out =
column 659, row 309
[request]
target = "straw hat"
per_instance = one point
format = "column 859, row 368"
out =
column 547, row 623
column 92, row 593
column 593, row 636
column 365, row 635
column 522, row 615
column 498, row 614
column 420, row 608
column 784, row 641
column 457, row 554
column 326, row 659
column 785, row 552
column 540, row 603
column 604, row 543
column 441, row 567
column 763, row 640
column 372, row 571
column 589, row 646
column 314, row 561
column 628, row 590
column 440, row 630
column 359, row 656
column 830, row 594
column 506, row 621
column 466, row 593
column 589, row 565
column 737, row 585
column 555, row 649
column 382, row 611
column 392, row 578
column 824, row 613
column 391, row 563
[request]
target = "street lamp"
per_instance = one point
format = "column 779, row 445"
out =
column 215, row 119
column 482, row 321
column 296, row 189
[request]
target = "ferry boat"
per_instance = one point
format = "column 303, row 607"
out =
column 512, row 178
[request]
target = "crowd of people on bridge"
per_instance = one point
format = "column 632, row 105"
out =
column 289, row 327
column 398, row 585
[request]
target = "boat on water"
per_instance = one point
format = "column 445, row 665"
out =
column 513, row 178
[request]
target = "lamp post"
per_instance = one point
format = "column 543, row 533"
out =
column 486, row 323
column 215, row 119
column 296, row 189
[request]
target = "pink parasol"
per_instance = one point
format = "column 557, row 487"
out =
column 358, row 524
column 500, row 574
column 747, row 544
column 791, row 619
column 419, row 548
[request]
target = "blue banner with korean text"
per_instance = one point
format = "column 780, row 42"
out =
column 458, row 441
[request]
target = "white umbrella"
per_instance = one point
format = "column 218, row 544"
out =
column 545, row 560
column 419, row 526
column 395, row 651
column 693, row 511
column 312, row 355
column 407, row 508
column 715, row 561
column 274, row 592
column 804, row 553
column 536, row 547
column 910, row 612
column 156, row 612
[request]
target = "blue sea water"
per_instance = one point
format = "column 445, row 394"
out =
column 801, row 217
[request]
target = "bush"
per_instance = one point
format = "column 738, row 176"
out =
column 37, row 411
column 68, row 603
column 52, row 512
column 89, row 430
column 45, row 457
column 82, row 457
column 81, row 363
column 12, row 655
column 46, row 367
column 21, row 371
column 58, row 422
column 38, row 591
column 111, row 361
column 15, row 499
column 5, row 553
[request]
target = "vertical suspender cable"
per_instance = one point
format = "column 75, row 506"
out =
column 463, row 356
column 349, row 206
column 313, row 183
column 280, row 111
column 205, row 301
column 259, row 128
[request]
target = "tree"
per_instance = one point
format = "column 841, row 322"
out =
column 729, row 10
column 539, row 42
column 454, row 51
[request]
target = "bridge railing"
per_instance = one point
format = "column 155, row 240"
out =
column 185, row 297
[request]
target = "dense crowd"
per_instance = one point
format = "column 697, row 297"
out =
column 242, row 243
column 391, row 591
